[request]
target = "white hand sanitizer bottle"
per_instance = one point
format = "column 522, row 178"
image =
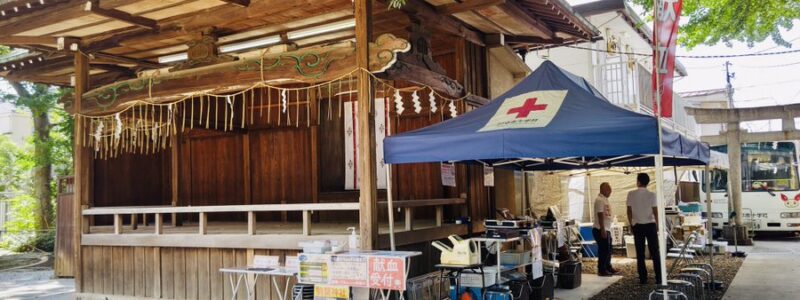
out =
column 353, row 241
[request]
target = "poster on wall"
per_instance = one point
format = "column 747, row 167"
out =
column 448, row 174
column 351, row 133
column 488, row 176
column 349, row 270
column 313, row 268
column 387, row 273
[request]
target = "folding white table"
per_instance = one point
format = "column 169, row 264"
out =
column 242, row 273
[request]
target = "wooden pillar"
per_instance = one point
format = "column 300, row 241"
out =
column 82, row 169
column 174, row 171
column 368, row 208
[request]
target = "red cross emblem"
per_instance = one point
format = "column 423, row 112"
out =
column 529, row 106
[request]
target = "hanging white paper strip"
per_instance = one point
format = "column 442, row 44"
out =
column 432, row 99
column 417, row 104
column 398, row 102
column 453, row 112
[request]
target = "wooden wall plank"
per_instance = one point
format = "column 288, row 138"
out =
column 217, row 281
column 117, row 266
column 241, row 260
column 191, row 273
column 167, row 273
column 179, row 272
column 97, row 265
column 108, row 283
column 139, row 274
column 203, row 276
column 88, row 272
column 128, row 271
column 228, row 260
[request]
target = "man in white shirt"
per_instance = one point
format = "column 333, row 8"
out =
column 642, row 212
column 600, row 231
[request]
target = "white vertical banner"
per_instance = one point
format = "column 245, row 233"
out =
column 351, row 133
column 488, row 176
column 448, row 174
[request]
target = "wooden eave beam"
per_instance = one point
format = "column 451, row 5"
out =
column 128, row 60
column 93, row 6
column 242, row 3
column 513, row 9
column 522, row 39
column 27, row 40
column 427, row 13
column 457, row 7
column 49, row 15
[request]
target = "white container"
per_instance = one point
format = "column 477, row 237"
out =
column 474, row 279
column 515, row 258
column 630, row 247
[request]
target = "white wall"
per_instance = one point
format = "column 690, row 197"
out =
column 15, row 124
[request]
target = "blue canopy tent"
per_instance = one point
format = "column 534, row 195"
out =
column 551, row 120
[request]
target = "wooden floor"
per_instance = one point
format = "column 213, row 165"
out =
column 261, row 228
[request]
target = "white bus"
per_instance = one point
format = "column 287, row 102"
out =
column 770, row 188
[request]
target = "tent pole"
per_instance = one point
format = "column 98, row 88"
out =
column 709, row 236
column 390, row 205
column 659, row 159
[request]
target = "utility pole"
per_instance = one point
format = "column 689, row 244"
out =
column 729, row 87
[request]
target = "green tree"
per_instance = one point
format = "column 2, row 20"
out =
column 750, row 21
column 41, row 101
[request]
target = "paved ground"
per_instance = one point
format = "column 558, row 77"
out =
column 33, row 282
column 769, row 272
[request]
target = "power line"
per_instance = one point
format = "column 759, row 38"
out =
column 691, row 56
column 772, row 66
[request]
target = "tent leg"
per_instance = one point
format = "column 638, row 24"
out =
column 390, row 205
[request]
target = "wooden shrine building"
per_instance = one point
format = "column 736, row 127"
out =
column 210, row 131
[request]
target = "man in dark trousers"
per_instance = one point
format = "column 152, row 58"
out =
column 642, row 212
column 600, row 231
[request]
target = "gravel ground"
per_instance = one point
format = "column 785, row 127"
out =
column 725, row 268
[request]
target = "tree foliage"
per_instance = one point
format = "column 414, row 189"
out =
column 749, row 21
column 48, row 152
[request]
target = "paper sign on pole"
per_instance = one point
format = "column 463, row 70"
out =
column 387, row 273
column 488, row 176
column 448, row 174
column 349, row 270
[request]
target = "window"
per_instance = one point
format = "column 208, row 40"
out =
column 770, row 166
column 765, row 166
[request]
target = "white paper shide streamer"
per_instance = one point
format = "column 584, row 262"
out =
column 453, row 112
column 432, row 100
column 118, row 127
column 98, row 134
column 284, row 102
column 417, row 104
column 398, row 102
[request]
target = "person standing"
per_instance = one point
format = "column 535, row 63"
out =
column 642, row 212
column 600, row 231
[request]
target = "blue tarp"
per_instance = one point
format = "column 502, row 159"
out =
column 551, row 120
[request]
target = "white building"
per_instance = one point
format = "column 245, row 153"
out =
column 16, row 124
column 713, row 98
column 624, row 79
